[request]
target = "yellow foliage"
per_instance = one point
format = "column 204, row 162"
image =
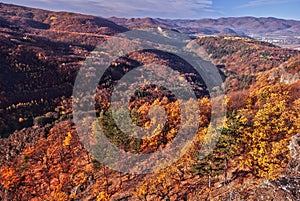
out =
column 271, row 123
column 162, row 182
column 52, row 18
column 103, row 196
column 80, row 178
column 67, row 140
column 58, row 195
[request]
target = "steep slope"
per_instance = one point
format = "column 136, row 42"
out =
column 50, row 163
column 57, row 26
column 242, row 59
column 41, row 52
column 47, row 160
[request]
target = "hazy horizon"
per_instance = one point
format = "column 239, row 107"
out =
column 177, row 9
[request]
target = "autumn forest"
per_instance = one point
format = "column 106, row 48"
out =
column 43, row 156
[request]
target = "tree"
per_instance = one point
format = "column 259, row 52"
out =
column 271, row 123
column 9, row 177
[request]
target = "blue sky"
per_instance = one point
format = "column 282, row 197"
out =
column 192, row 9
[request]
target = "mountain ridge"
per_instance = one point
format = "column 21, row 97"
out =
column 282, row 32
column 279, row 31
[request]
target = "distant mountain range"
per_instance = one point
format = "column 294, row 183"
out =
column 285, row 33
column 279, row 31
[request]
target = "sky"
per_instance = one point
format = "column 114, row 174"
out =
column 171, row 9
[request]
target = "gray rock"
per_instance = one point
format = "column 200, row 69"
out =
column 294, row 147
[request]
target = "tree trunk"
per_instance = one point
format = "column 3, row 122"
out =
column 225, row 171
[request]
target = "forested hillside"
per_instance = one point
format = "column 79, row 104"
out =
column 42, row 156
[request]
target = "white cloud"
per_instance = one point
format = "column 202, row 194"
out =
column 154, row 7
column 254, row 3
column 128, row 8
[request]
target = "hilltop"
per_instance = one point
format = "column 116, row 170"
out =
column 279, row 31
column 43, row 158
column 41, row 52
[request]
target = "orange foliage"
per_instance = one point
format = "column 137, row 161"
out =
column 9, row 177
